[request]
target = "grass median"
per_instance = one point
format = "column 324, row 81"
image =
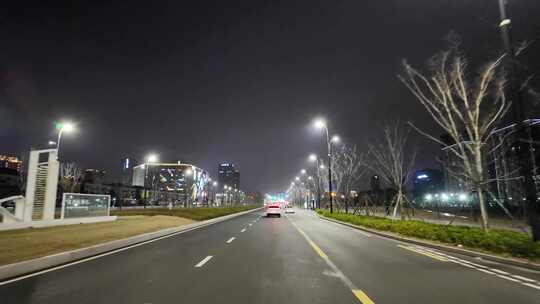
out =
column 24, row 244
column 197, row 214
column 502, row 242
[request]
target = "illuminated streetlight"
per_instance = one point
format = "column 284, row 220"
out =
column 303, row 171
column 152, row 158
column 297, row 178
column 62, row 127
column 335, row 139
column 319, row 123
column 313, row 157
column 322, row 125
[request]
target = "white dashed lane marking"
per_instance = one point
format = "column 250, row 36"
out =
column 243, row 230
column 201, row 263
column 230, row 240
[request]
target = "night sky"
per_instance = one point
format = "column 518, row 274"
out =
column 235, row 81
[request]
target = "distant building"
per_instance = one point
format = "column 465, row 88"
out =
column 10, row 182
column 228, row 175
column 427, row 181
column 10, row 162
column 127, row 170
column 175, row 183
column 501, row 165
column 93, row 176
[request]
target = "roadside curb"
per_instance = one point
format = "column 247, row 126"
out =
column 471, row 253
column 10, row 271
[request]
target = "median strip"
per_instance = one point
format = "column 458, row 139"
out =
column 201, row 263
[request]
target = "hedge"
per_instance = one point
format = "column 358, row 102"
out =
column 503, row 242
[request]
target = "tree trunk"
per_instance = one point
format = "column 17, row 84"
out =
column 398, row 203
column 483, row 210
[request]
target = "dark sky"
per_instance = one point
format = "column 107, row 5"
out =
column 238, row 81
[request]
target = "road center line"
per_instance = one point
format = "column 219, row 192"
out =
column 359, row 294
column 201, row 263
column 230, row 240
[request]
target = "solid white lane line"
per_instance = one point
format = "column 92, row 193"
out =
column 523, row 278
column 351, row 228
column 508, row 278
column 99, row 256
column 201, row 263
column 243, row 230
column 230, row 240
column 499, row 271
column 531, row 285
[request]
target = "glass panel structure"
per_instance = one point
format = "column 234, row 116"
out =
column 76, row 205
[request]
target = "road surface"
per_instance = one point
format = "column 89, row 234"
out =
column 298, row 258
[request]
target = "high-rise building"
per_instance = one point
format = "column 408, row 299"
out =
column 228, row 175
column 10, row 162
column 127, row 170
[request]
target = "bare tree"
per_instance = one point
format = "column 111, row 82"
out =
column 70, row 176
column 467, row 109
column 348, row 167
column 391, row 162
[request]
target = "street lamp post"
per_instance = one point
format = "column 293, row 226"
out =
column 62, row 127
column 214, row 187
column 524, row 130
column 321, row 124
column 150, row 158
column 314, row 158
column 187, row 176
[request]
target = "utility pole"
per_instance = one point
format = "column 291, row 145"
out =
column 524, row 138
column 330, row 171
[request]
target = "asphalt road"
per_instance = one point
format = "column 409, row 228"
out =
column 294, row 259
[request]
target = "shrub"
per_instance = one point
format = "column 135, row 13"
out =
column 498, row 241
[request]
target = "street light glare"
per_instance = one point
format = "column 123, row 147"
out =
column 152, row 158
column 297, row 178
column 303, row 171
column 319, row 123
column 313, row 157
column 65, row 126
column 335, row 139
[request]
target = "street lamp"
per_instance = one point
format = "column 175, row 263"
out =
column 321, row 124
column 62, row 127
column 187, row 174
column 214, row 187
column 315, row 159
column 150, row 158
